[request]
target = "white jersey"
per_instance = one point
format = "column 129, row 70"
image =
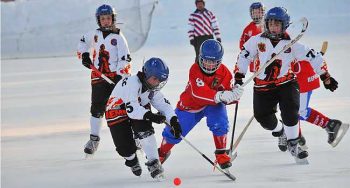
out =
column 129, row 94
column 278, row 72
column 110, row 54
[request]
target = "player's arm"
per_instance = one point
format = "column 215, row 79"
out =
column 247, row 55
column 244, row 38
column 163, row 105
column 302, row 52
column 83, row 50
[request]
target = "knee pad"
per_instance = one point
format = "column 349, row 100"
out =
column 126, row 151
column 267, row 122
column 219, row 129
column 290, row 119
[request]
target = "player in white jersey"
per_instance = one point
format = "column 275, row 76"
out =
column 129, row 112
column 111, row 56
column 277, row 84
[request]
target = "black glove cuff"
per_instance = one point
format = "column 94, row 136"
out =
column 173, row 120
column 85, row 55
column 325, row 76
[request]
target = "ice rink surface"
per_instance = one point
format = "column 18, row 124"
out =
column 45, row 115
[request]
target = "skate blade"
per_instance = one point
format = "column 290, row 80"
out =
column 89, row 156
column 301, row 161
column 160, row 177
column 304, row 147
column 343, row 129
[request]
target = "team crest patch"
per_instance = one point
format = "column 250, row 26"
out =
column 262, row 47
column 95, row 38
column 114, row 42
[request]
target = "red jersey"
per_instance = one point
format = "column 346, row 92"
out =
column 250, row 30
column 201, row 88
column 308, row 80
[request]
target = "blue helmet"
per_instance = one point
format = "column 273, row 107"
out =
column 157, row 68
column 105, row 10
column 210, row 56
column 257, row 18
column 280, row 14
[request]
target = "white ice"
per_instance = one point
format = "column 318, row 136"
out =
column 45, row 112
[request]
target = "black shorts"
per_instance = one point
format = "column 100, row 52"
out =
column 265, row 104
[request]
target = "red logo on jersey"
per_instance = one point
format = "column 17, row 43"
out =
column 262, row 47
column 95, row 38
column 114, row 42
column 103, row 58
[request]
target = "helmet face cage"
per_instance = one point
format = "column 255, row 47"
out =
column 105, row 10
column 210, row 56
column 257, row 14
column 278, row 14
column 157, row 68
column 209, row 66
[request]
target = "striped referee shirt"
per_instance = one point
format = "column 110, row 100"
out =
column 203, row 23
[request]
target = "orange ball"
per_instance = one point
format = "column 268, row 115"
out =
column 177, row 181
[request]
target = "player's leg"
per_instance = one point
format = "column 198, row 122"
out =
column 217, row 121
column 125, row 145
column 144, row 131
column 99, row 96
column 289, row 101
column 187, row 121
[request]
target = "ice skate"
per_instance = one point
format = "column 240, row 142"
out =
column 156, row 170
column 282, row 139
column 134, row 166
column 336, row 131
column 163, row 156
column 91, row 146
column 302, row 143
column 223, row 159
column 282, row 142
column 299, row 154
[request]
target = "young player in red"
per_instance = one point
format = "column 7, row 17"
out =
column 208, row 91
column 256, row 26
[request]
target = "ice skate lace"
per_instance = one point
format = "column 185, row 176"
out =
column 282, row 140
column 92, row 145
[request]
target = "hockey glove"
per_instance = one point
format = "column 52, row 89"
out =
column 86, row 61
column 329, row 82
column 239, row 78
column 175, row 127
column 156, row 118
column 192, row 42
column 228, row 97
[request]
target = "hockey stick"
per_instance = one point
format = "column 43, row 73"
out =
column 233, row 130
column 324, row 47
column 101, row 74
column 228, row 174
column 286, row 47
column 234, row 147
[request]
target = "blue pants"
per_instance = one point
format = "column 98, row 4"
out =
column 217, row 121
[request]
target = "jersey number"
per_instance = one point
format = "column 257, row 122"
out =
column 129, row 108
column 124, row 81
